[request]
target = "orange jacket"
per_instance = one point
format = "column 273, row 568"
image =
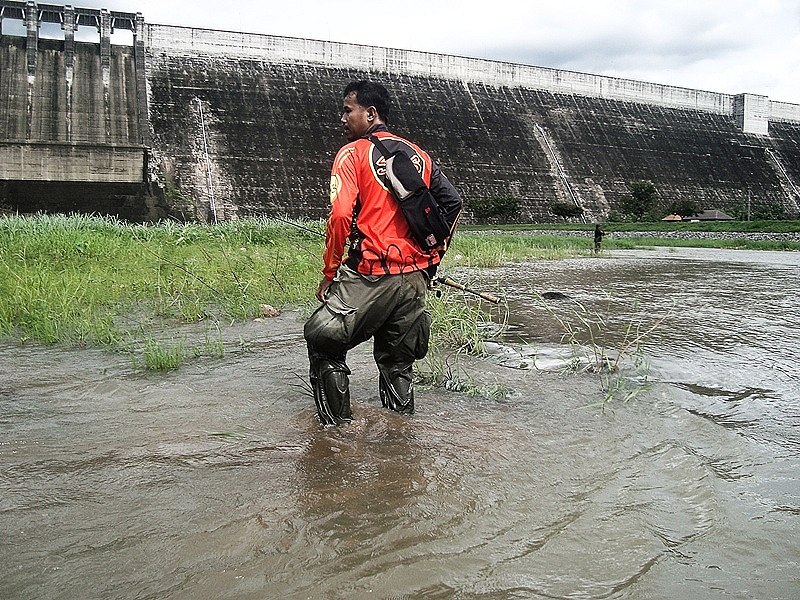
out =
column 365, row 213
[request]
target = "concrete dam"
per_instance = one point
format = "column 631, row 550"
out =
column 147, row 121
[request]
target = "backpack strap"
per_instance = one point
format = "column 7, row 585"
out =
column 386, row 154
column 379, row 145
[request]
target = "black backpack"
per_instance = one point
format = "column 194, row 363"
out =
column 425, row 219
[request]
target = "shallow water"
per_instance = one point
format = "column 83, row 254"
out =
column 215, row 481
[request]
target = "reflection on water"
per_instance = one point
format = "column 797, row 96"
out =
column 216, row 482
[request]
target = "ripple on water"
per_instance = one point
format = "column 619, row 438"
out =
column 216, row 480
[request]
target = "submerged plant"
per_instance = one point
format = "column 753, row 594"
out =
column 443, row 369
column 463, row 324
column 158, row 356
column 213, row 347
column 615, row 354
column 460, row 327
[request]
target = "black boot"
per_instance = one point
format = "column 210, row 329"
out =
column 331, row 385
column 396, row 387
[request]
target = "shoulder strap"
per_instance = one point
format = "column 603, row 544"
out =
column 379, row 145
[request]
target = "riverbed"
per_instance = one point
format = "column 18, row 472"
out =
column 216, row 481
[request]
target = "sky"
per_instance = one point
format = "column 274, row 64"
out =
column 728, row 46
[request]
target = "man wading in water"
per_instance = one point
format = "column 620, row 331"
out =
column 378, row 290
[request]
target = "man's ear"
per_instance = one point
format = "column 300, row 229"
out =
column 371, row 113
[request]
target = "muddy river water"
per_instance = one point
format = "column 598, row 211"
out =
column 215, row 481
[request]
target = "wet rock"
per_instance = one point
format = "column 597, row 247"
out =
column 554, row 296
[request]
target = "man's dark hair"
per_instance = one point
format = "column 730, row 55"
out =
column 369, row 93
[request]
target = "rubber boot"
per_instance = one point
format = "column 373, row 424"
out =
column 331, row 386
column 396, row 387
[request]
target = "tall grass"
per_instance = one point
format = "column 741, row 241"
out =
column 91, row 280
column 460, row 325
column 489, row 250
column 79, row 278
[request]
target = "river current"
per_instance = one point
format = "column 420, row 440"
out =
column 215, row 481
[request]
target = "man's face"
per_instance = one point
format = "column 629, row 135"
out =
column 356, row 118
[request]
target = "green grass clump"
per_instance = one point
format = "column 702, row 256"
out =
column 491, row 250
column 760, row 226
column 158, row 356
column 460, row 325
column 89, row 280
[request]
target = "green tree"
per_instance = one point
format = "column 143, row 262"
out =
column 564, row 209
column 495, row 206
column 684, row 208
column 642, row 198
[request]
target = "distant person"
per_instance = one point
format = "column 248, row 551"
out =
column 378, row 288
column 598, row 238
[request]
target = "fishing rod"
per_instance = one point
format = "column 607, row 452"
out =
column 293, row 224
column 454, row 284
column 442, row 280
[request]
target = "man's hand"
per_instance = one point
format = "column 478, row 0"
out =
column 322, row 289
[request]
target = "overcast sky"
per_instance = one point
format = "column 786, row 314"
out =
column 728, row 46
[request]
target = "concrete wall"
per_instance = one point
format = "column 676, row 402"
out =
column 271, row 109
column 205, row 42
column 64, row 104
column 751, row 112
column 784, row 112
column 56, row 161
column 71, row 112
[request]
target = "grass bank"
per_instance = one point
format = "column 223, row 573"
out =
column 666, row 226
column 749, row 235
column 90, row 280
column 622, row 242
column 96, row 281
column 476, row 249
